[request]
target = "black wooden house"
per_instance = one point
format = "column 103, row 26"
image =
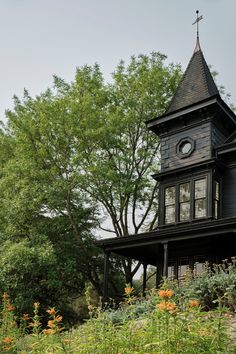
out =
column 197, row 182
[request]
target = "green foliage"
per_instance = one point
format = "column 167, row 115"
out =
column 167, row 323
column 217, row 282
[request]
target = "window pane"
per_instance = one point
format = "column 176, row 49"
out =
column 217, row 190
column 216, row 209
column 170, row 214
column 200, row 188
column 184, row 192
column 170, row 195
column 200, row 208
column 184, row 211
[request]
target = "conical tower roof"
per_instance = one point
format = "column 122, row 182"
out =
column 196, row 85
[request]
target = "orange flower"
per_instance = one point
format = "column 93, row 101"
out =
column 51, row 324
column 8, row 340
column 171, row 307
column 129, row 290
column 51, row 311
column 58, row 318
column 6, row 348
column 5, row 296
column 166, row 294
column 11, row 308
column 161, row 306
column 26, row 317
column 194, row 303
column 49, row 331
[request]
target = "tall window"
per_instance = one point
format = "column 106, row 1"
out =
column 170, row 205
column 200, row 191
column 184, row 201
column 217, row 199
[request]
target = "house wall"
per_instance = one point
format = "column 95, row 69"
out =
column 229, row 192
column 202, row 135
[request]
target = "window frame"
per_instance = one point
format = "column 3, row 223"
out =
column 191, row 180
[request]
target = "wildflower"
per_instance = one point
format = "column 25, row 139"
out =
column 51, row 311
column 26, row 317
column 67, row 341
column 166, row 294
column 6, row 348
column 5, row 296
column 51, row 324
column 129, row 290
column 11, row 308
column 58, row 318
column 194, row 303
column 49, row 331
column 36, row 305
column 171, row 307
column 8, row 340
column 161, row 306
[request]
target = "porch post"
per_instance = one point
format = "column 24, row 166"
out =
column 165, row 262
column 144, row 278
column 159, row 273
column 105, row 276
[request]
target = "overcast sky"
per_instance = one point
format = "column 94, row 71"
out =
column 40, row 38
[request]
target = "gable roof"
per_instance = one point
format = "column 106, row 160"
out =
column 196, row 85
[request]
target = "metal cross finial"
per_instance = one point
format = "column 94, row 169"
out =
column 199, row 18
column 196, row 22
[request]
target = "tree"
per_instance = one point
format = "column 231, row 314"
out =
column 46, row 222
column 120, row 154
column 78, row 154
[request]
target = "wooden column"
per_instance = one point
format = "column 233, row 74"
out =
column 159, row 273
column 105, row 277
column 165, row 261
column 144, row 278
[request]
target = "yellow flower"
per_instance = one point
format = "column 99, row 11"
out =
column 129, row 290
column 166, row 294
column 36, row 305
column 194, row 303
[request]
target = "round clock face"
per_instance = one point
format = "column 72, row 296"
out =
column 185, row 147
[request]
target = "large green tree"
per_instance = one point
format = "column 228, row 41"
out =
column 75, row 157
column 120, row 154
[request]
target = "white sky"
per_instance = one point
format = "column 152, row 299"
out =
column 40, row 38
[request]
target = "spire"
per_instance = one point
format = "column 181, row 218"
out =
column 197, row 82
column 199, row 18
